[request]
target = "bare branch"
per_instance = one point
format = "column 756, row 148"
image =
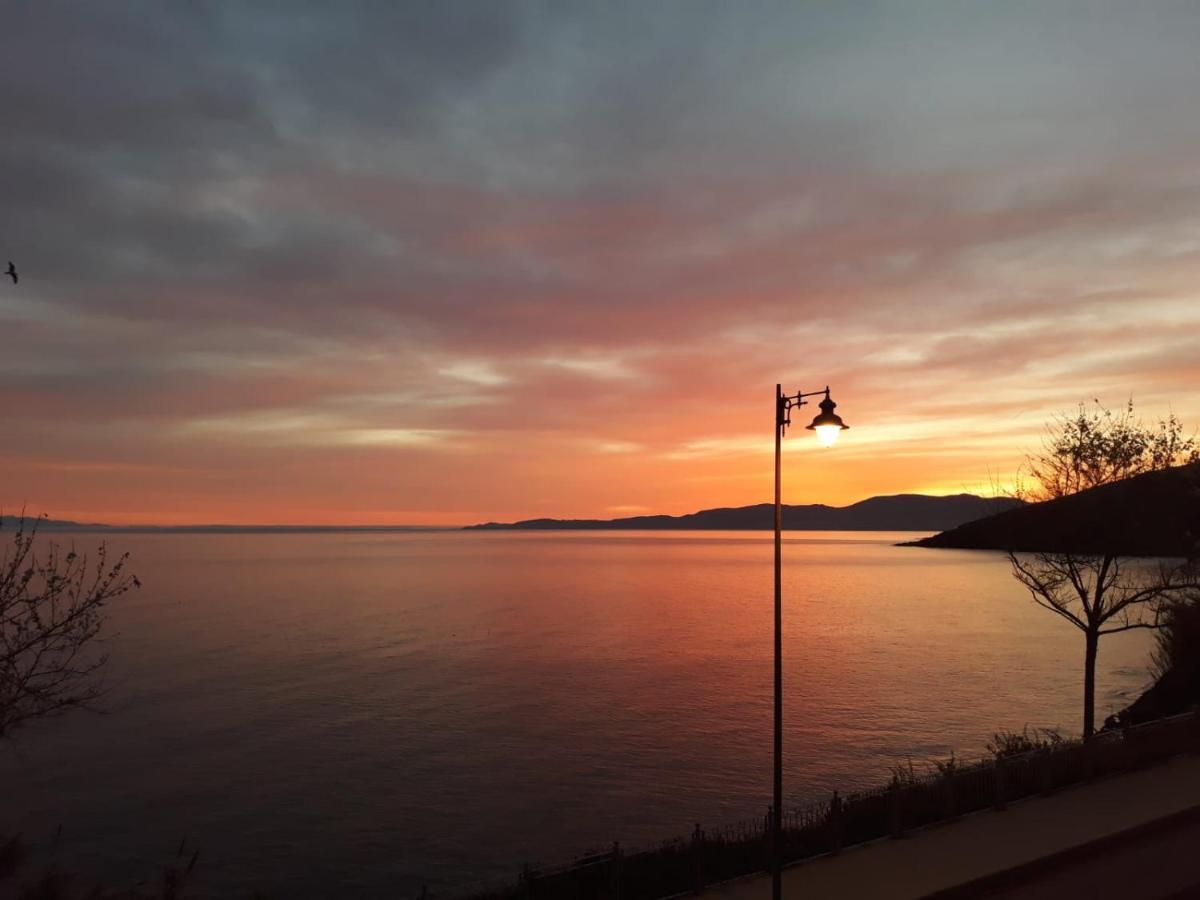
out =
column 1151, row 625
column 51, row 613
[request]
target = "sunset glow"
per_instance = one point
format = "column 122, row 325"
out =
column 308, row 271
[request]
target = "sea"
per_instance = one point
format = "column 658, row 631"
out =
column 327, row 715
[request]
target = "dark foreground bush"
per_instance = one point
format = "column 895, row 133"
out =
column 1022, row 764
column 21, row 879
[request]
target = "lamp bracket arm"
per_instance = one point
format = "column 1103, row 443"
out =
column 787, row 403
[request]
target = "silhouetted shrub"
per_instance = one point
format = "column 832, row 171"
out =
column 1005, row 744
column 1178, row 641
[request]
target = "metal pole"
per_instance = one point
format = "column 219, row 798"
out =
column 777, row 807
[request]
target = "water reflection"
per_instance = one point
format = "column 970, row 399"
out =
column 377, row 711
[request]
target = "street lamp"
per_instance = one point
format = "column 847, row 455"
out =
column 827, row 425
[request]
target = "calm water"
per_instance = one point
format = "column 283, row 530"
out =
column 355, row 715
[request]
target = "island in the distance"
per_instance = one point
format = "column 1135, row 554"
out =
column 899, row 512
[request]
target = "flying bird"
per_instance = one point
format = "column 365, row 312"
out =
column 12, row 272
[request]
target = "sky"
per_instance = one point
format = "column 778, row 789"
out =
column 442, row 263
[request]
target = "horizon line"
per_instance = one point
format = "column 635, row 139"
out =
column 45, row 520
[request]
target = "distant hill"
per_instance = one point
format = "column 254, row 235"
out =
column 1156, row 514
column 10, row 523
column 901, row 512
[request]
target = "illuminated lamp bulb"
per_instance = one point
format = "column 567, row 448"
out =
column 828, row 424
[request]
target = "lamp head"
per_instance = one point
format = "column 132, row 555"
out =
column 827, row 424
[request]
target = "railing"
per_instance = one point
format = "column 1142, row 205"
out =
column 710, row 855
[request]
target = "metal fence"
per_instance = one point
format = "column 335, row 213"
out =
column 710, row 855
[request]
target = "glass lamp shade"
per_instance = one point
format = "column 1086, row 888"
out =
column 827, row 424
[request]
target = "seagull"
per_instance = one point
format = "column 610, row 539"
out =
column 12, row 272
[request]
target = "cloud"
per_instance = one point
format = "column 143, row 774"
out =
column 283, row 427
column 473, row 373
column 422, row 229
column 596, row 367
column 616, row 446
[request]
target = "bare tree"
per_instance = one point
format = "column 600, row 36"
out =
column 1102, row 593
column 1096, row 446
column 51, row 613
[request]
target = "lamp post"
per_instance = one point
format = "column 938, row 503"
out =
column 827, row 425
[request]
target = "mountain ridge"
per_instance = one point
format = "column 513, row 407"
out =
column 891, row 512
